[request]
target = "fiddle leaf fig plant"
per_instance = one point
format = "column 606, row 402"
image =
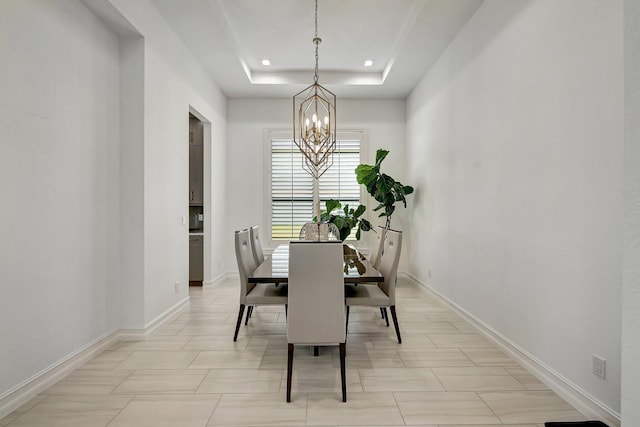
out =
column 384, row 189
column 345, row 218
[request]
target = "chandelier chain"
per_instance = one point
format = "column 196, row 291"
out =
column 317, row 41
column 314, row 123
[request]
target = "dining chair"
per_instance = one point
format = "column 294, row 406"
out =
column 253, row 294
column 316, row 301
column 374, row 259
column 374, row 256
column 258, row 256
column 380, row 294
column 321, row 232
column 256, row 245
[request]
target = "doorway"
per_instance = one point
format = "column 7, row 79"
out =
column 197, row 224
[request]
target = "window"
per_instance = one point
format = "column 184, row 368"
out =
column 292, row 187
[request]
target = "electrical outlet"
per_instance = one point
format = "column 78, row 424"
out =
column 177, row 287
column 599, row 366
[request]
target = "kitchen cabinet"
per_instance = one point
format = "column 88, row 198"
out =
column 196, row 162
column 196, row 258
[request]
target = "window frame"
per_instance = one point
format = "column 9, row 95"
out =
column 270, row 134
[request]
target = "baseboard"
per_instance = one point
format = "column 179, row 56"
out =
column 31, row 387
column 140, row 334
column 580, row 399
column 407, row 276
column 218, row 279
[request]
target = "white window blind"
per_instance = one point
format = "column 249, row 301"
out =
column 292, row 186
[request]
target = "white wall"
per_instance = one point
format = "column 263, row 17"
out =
column 631, row 282
column 515, row 142
column 130, row 181
column 94, row 175
column 174, row 82
column 59, row 132
column 247, row 121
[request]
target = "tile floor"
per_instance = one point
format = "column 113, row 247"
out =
column 191, row 373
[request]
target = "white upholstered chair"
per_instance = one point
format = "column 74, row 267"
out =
column 253, row 294
column 256, row 245
column 316, row 301
column 380, row 294
column 374, row 256
column 258, row 257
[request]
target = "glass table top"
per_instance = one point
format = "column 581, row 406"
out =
column 275, row 268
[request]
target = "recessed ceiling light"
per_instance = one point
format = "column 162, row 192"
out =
column 266, row 62
column 368, row 63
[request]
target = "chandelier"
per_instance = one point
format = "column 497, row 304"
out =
column 314, row 121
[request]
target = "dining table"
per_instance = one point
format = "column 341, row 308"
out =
column 275, row 268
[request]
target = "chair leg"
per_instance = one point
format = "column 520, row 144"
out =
column 316, row 351
column 347, row 322
column 382, row 312
column 343, row 353
column 386, row 315
column 286, row 310
column 235, row 336
column 395, row 322
column 289, row 370
column 249, row 310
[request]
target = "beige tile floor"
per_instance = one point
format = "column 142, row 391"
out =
column 191, row 373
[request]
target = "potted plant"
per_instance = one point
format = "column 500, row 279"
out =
column 345, row 218
column 386, row 190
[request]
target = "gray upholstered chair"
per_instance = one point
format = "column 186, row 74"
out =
column 380, row 294
column 253, row 294
column 316, row 301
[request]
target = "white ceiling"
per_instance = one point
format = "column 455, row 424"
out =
column 403, row 38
